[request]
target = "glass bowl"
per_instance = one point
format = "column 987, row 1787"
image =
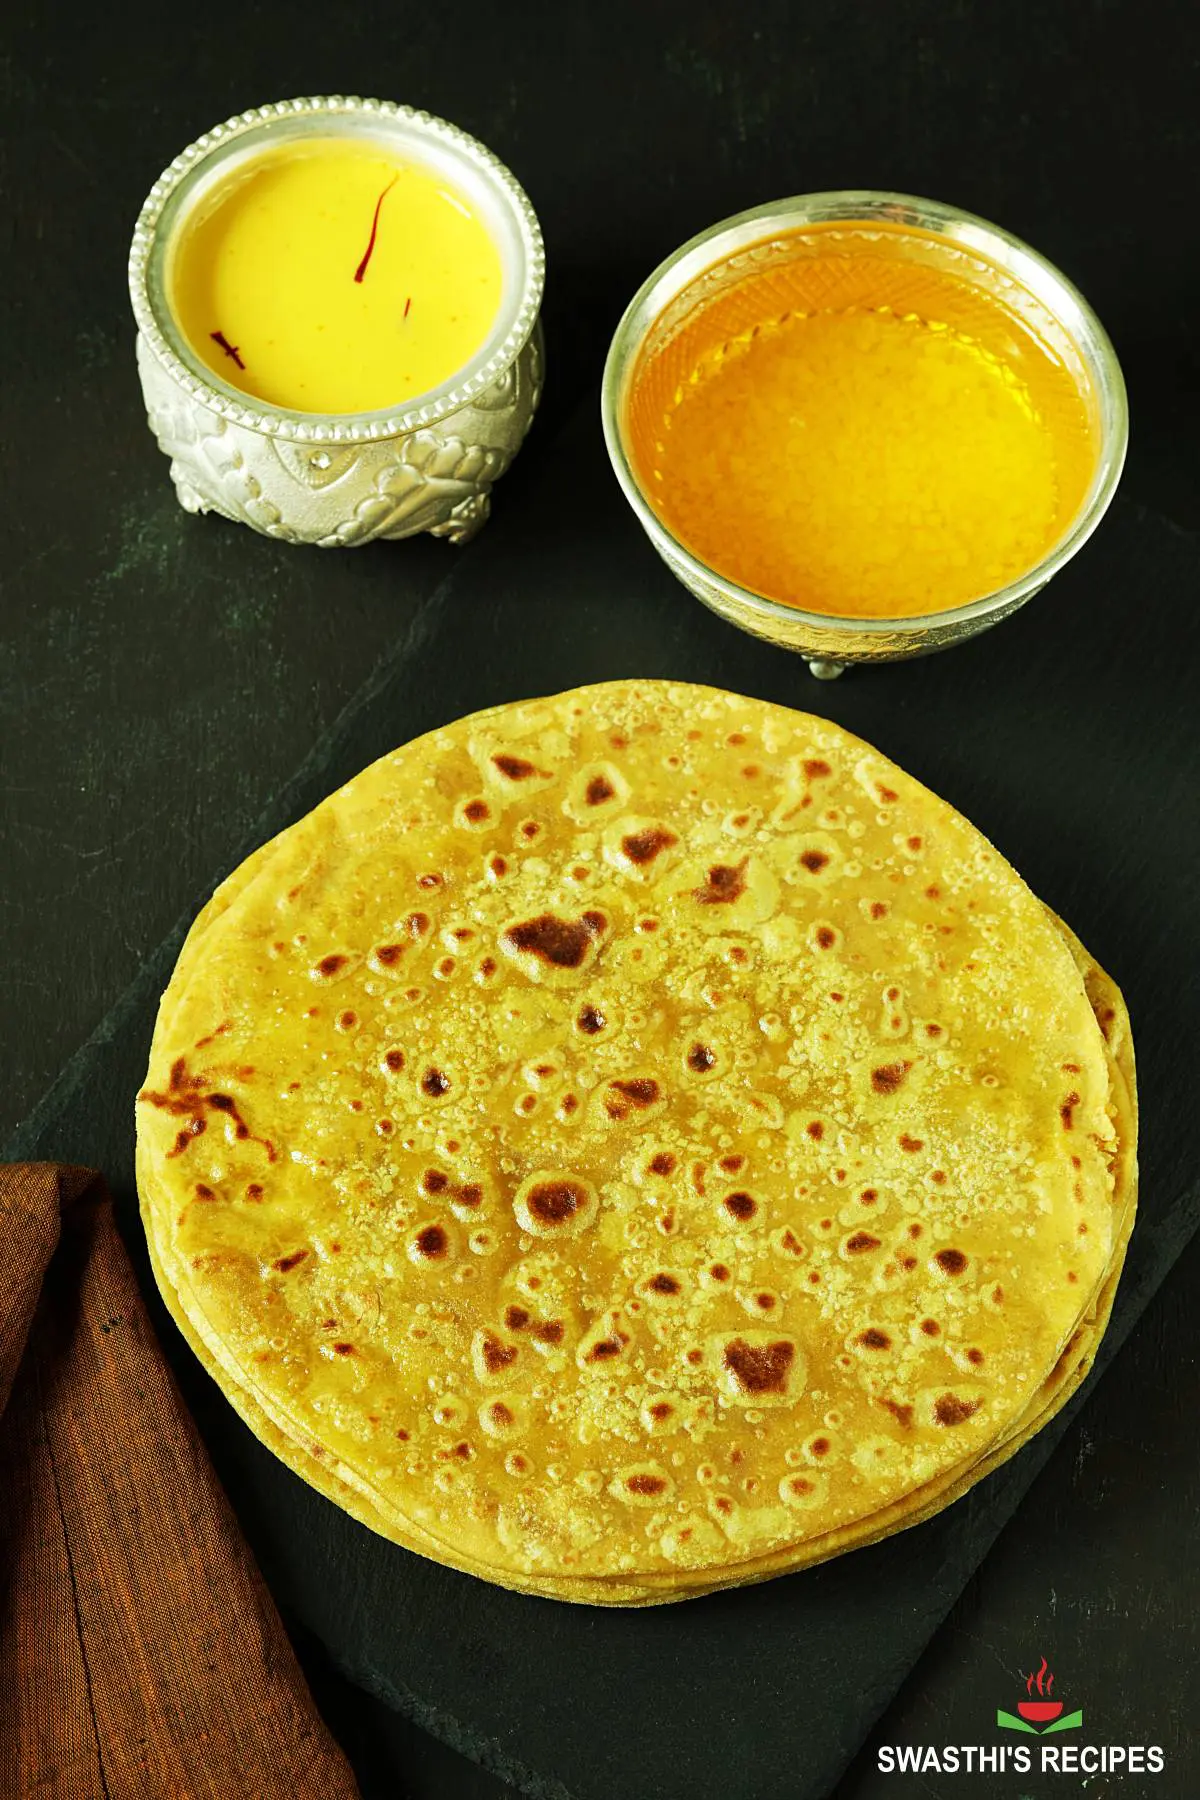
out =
column 704, row 269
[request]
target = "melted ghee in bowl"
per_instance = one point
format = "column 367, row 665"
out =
column 861, row 434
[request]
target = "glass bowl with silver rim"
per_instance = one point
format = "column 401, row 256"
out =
column 708, row 265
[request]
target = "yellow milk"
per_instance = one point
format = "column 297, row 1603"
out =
column 330, row 277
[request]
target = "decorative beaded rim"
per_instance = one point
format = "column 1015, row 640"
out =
column 712, row 250
column 323, row 428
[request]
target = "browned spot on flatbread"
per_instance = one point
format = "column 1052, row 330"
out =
column 760, row 1368
column 623, row 1097
column 432, row 1243
column 874, row 1339
column 948, row 1409
column 222, row 1028
column 642, row 847
column 561, row 943
column 889, row 1078
column 187, row 1097
column 724, row 883
column 513, row 768
column 496, row 1354
column 554, row 1202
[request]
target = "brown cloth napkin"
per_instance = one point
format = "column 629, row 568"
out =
column 141, row 1657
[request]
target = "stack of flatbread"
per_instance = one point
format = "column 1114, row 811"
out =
column 638, row 1142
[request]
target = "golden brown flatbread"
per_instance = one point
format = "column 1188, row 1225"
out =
column 637, row 1141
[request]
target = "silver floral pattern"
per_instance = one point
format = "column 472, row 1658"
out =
column 437, row 479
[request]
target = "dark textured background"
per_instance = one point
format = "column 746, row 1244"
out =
column 161, row 677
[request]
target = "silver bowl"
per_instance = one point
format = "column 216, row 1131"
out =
column 341, row 480
column 708, row 265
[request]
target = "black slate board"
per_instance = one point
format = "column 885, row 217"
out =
column 1067, row 736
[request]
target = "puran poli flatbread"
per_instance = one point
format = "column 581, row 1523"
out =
column 1066, row 1376
column 636, row 1141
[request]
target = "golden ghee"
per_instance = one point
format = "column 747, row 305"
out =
column 861, row 435
column 332, row 277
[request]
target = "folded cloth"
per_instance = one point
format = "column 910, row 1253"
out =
column 141, row 1657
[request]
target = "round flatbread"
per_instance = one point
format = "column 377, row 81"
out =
column 634, row 1141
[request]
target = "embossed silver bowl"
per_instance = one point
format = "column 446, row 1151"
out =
column 708, row 266
column 341, row 480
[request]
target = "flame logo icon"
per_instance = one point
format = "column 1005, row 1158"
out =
column 1035, row 1681
column 1042, row 1710
column 1043, row 1714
